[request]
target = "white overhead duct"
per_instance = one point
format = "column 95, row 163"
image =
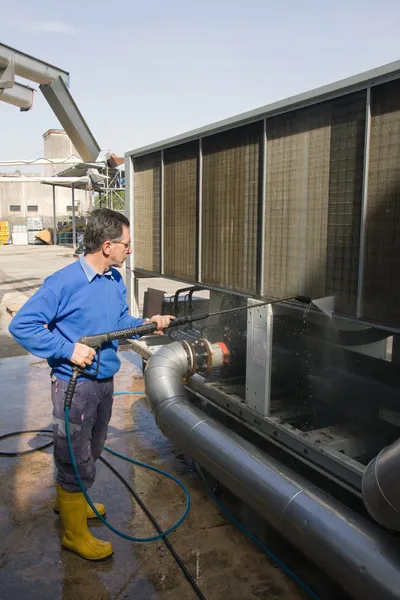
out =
column 11, row 91
column 18, row 95
column 54, row 83
column 31, row 68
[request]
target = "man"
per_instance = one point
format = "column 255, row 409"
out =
column 84, row 298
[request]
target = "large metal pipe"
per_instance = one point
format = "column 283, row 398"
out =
column 381, row 487
column 362, row 558
column 31, row 68
column 18, row 95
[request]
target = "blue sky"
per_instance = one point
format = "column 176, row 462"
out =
column 143, row 71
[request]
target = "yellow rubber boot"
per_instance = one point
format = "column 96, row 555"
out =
column 76, row 535
column 90, row 514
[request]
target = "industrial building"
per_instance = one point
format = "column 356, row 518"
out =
column 29, row 197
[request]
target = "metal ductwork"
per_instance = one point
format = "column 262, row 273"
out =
column 54, row 83
column 31, row 68
column 18, row 95
column 361, row 557
column 381, row 487
column 11, row 91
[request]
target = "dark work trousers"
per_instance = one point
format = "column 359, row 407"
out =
column 89, row 415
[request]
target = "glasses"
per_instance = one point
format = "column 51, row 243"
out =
column 127, row 245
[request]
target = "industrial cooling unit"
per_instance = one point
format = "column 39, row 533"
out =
column 301, row 197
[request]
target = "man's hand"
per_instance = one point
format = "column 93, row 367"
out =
column 83, row 355
column 162, row 321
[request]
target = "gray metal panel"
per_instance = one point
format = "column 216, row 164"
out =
column 259, row 359
column 67, row 112
column 333, row 90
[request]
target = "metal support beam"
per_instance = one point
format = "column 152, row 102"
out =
column 73, row 217
column 199, row 209
column 364, row 200
column 162, row 213
column 262, row 205
column 132, row 281
column 259, row 358
column 67, row 112
column 54, row 217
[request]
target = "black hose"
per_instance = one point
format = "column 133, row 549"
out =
column 15, row 433
column 142, row 505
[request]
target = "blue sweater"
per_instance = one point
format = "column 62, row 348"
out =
column 73, row 302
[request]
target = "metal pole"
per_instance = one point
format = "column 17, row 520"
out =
column 262, row 205
column 107, row 187
column 162, row 213
column 364, row 200
column 199, row 209
column 132, row 281
column 73, row 217
column 54, row 216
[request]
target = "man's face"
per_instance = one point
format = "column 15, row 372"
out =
column 120, row 250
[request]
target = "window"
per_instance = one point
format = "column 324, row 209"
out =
column 32, row 208
column 15, row 208
column 69, row 208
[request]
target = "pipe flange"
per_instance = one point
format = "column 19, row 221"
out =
column 202, row 351
column 191, row 356
column 208, row 353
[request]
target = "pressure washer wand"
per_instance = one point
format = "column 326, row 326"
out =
column 98, row 340
column 302, row 299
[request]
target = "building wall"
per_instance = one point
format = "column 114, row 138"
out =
column 32, row 195
column 56, row 144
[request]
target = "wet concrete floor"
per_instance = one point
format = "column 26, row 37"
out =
column 224, row 563
column 33, row 565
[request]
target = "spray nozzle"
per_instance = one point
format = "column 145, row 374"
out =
column 303, row 299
